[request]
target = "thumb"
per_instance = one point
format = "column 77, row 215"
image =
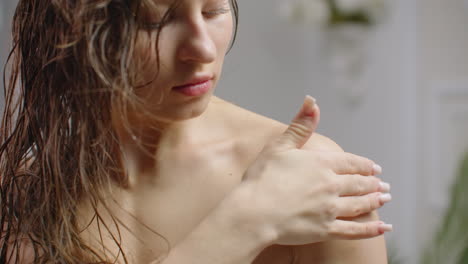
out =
column 302, row 126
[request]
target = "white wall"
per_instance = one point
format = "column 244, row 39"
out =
column 6, row 12
column 274, row 64
column 443, row 88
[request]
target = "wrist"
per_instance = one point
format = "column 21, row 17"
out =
column 231, row 234
column 247, row 217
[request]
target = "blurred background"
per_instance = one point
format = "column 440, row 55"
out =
column 391, row 78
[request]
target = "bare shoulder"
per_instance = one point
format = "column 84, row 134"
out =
column 256, row 130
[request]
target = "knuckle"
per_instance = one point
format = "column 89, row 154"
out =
column 361, row 187
column 368, row 204
column 370, row 167
column 331, row 211
column 372, row 230
column 375, row 184
column 351, row 160
column 349, row 164
column 368, row 230
column 332, row 186
column 365, row 165
column 299, row 130
column 376, row 201
column 331, row 229
column 357, row 210
column 356, row 230
column 369, row 186
column 325, row 232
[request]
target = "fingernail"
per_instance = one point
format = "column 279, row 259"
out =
column 384, row 187
column 385, row 198
column 377, row 169
column 386, row 227
column 313, row 99
column 309, row 102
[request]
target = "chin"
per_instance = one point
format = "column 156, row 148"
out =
column 183, row 111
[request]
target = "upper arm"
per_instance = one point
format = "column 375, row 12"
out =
column 365, row 251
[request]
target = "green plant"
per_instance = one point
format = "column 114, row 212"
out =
column 450, row 244
column 393, row 256
column 331, row 13
column 339, row 15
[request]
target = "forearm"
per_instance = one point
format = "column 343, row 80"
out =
column 364, row 251
column 228, row 235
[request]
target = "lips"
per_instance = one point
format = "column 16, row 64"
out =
column 196, row 86
column 194, row 81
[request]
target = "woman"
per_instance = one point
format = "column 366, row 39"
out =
column 114, row 149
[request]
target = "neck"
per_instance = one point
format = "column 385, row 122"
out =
column 143, row 141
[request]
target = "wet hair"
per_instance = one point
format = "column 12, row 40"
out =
column 70, row 66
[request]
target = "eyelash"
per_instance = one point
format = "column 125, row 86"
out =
column 218, row 12
column 210, row 14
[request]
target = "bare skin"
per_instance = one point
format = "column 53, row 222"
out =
column 204, row 152
column 193, row 178
column 204, row 147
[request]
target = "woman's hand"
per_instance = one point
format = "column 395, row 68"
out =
column 288, row 196
column 304, row 196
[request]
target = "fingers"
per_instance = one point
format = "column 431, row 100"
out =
column 353, row 206
column 302, row 126
column 341, row 229
column 355, row 185
column 348, row 163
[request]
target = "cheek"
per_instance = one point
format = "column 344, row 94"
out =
column 223, row 35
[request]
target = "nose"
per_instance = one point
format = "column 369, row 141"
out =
column 197, row 44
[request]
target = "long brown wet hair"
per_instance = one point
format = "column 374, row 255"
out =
column 69, row 67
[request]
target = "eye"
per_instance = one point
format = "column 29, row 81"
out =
column 216, row 12
column 169, row 17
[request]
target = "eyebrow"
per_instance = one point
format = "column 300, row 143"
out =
column 165, row 2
